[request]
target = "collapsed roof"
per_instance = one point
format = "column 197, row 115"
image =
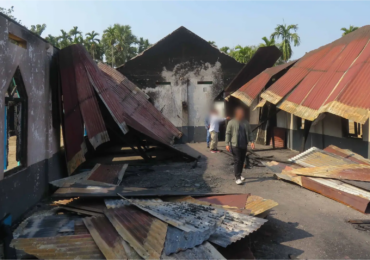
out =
column 334, row 78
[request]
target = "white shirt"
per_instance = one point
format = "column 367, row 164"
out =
column 214, row 123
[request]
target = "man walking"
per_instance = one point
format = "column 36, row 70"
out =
column 214, row 126
column 238, row 135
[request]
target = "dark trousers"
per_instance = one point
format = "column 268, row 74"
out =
column 239, row 158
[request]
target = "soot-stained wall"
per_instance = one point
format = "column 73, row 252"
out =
column 22, row 189
column 183, row 74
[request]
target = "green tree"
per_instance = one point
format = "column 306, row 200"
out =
column 9, row 12
column 92, row 42
column 75, row 33
column 64, row 40
column 212, row 43
column 288, row 35
column 267, row 42
column 349, row 30
column 225, row 49
column 109, row 38
column 53, row 40
column 143, row 45
column 38, row 28
column 124, row 45
column 243, row 54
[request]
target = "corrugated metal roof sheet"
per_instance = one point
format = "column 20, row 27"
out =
column 186, row 216
column 250, row 91
column 143, row 232
column 72, row 118
column 334, row 78
column 348, row 154
column 108, row 240
column 258, row 205
column 66, row 182
column 112, row 174
column 356, row 172
column 238, row 201
column 203, row 252
column 264, row 57
column 64, row 247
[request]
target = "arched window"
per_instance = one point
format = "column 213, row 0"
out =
column 15, row 130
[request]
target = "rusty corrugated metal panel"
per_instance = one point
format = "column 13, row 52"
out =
column 195, row 217
column 258, row 205
column 250, row 91
column 348, row 154
column 227, row 200
column 108, row 240
column 88, row 103
column 203, row 252
column 356, row 172
column 112, row 174
column 129, row 92
column 64, row 247
column 73, row 123
column 315, row 157
column 143, row 232
column 265, row 57
column 333, row 78
column 66, row 182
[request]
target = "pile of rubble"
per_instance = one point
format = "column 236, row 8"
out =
column 336, row 173
column 121, row 224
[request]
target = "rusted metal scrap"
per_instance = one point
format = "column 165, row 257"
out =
column 108, row 240
column 142, row 231
column 203, row 252
column 112, row 174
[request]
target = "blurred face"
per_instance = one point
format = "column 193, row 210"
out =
column 239, row 114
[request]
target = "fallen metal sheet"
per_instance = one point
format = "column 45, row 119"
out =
column 257, row 205
column 66, row 182
column 63, row 247
column 46, row 226
column 141, row 114
column 80, row 228
column 112, row 174
column 315, row 157
column 143, row 232
column 88, row 103
column 108, row 240
column 238, row 201
column 73, row 124
column 359, row 184
column 354, row 197
column 348, row 154
column 189, row 217
column 87, row 191
column 356, row 172
column 81, row 211
column 203, row 252
column 178, row 240
column 115, row 203
column 93, row 205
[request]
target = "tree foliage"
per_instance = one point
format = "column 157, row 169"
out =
column 288, row 35
column 349, row 30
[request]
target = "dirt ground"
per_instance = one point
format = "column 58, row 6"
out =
column 305, row 225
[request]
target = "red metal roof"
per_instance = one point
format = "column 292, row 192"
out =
column 249, row 91
column 334, row 78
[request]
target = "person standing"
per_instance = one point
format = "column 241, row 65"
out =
column 214, row 126
column 207, row 125
column 238, row 135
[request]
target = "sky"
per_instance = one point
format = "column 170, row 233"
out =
column 228, row 23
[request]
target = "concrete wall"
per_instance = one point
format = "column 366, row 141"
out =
column 21, row 190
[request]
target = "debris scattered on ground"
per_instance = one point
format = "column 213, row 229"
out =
column 336, row 173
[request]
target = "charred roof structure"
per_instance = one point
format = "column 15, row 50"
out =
column 182, row 74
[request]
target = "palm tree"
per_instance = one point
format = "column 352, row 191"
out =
column 143, row 45
column 125, row 39
column 349, row 30
column 92, row 42
column 268, row 42
column 53, row 40
column 38, row 28
column 225, row 49
column 288, row 34
column 75, row 33
column 110, row 37
column 64, row 40
column 243, row 54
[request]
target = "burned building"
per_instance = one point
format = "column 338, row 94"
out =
column 183, row 75
column 30, row 144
